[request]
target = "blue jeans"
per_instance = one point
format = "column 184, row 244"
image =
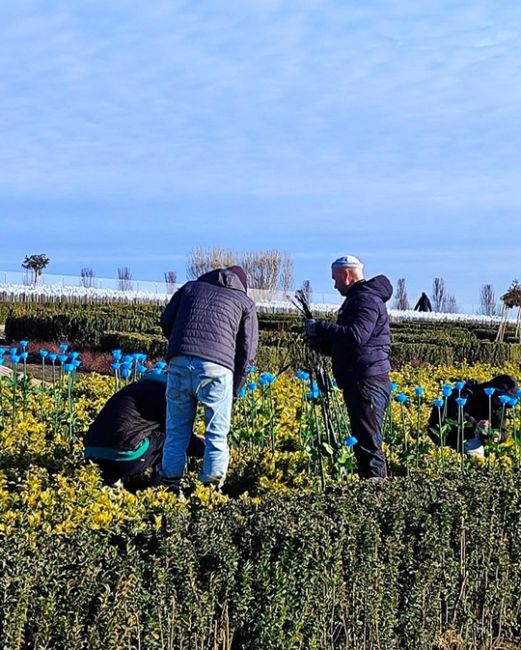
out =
column 366, row 402
column 192, row 380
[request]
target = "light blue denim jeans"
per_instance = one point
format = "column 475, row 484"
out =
column 192, row 380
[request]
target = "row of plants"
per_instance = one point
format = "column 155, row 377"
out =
column 296, row 554
column 420, row 563
column 278, row 352
column 144, row 319
column 300, row 418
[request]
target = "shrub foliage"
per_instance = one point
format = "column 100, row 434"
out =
column 416, row 563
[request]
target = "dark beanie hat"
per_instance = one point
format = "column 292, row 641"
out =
column 504, row 384
column 240, row 273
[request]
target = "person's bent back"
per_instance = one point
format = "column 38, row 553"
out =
column 482, row 414
column 128, row 434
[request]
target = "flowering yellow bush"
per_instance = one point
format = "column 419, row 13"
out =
column 45, row 485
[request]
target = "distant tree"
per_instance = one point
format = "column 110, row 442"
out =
column 451, row 305
column 262, row 269
column 170, row 281
column 512, row 297
column 307, row 291
column 36, row 264
column 86, row 277
column 201, row 260
column 401, row 300
column 487, row 299
column 286, row 273
column 125, row 279
column 439, row 294
column 268, row 270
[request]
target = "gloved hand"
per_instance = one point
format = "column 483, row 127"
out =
column 311, row 327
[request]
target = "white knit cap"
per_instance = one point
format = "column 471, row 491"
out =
column 347, row 262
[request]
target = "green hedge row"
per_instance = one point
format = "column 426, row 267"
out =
column 136, row 328
column 473, row 352
column 274, row 353
column 153, row 345
column 409, row 564
column 84, row 326
column 144, row 319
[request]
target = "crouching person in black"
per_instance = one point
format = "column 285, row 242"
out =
column 128, row 434
column 480, row 415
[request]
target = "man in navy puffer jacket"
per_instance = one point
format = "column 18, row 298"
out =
column 212, row 330
column 359, row 344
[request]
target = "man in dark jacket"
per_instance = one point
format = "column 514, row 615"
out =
column 423, row 304
column 128, row 434
column 212, row 332
column 359, row 344
column 483, row 416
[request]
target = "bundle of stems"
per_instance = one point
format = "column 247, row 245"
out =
column 316, row 367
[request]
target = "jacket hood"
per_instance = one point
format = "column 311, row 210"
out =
column 222, row 278
column 379, row 286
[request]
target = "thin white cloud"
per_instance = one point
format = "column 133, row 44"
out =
column 403, row 113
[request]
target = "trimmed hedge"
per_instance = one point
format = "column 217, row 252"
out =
column 470, row 352
column 83, row 325
column 137, row 328
column 408, row 564
column 153, row 345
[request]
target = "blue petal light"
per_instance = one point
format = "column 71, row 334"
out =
column 446, row 390
column 266, row 379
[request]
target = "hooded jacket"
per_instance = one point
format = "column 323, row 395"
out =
column 129, row 416
column 213, row 318
column 478, row 407
column 129, row 420
column 360, row 341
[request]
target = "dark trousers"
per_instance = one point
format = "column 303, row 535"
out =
column 366, row 401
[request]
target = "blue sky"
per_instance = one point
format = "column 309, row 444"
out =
column 132, row 131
